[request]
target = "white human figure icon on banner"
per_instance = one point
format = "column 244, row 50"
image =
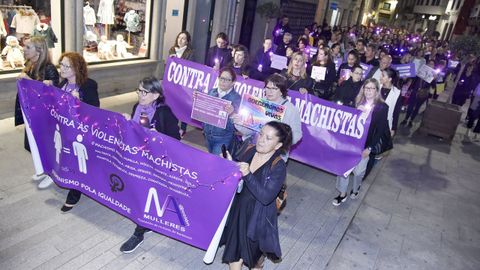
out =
column 80, row 152
column 57, row 140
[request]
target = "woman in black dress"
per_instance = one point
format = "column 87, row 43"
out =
column 251, row 232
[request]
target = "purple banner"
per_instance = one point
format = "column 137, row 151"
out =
column 333, row 135
column 405, row 70
column 150, row 178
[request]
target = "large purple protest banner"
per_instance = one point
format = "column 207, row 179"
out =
column 150, row 178
column 333, row 135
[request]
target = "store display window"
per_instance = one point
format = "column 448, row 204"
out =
column 116, row 30
column 20, row 20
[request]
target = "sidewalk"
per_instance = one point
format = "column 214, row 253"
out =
column 419, row 211
column 422, row 210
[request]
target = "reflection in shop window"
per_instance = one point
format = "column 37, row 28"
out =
column 20, row 20
column 115, row 30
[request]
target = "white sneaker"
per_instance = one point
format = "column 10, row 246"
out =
column 46, row 182
column 38, row 177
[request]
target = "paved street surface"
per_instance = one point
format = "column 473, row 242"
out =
column 419, row 209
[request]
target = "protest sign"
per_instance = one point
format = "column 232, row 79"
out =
column 210, row 110
column 426, row 73
column 255, row 112
column 318, row 73
column 279, row 62
column 405, row 70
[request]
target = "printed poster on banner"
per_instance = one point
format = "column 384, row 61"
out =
column 210, row 110
column 318, row 73
column 255, row 112
column 426, row 73
column 405, row 70
column 154, row 180
column 279, row 62
column 311, row 51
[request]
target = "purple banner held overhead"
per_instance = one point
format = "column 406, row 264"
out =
column 333, row 135
column 150, row 178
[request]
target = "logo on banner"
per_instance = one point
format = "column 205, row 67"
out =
column 170, row 204
column 116, row 183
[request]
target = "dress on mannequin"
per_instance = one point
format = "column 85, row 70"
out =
column 121, row 48
column 3, row 31
column 45, row 31
column 106, row 14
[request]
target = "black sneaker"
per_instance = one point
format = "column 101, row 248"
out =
column 353, row 195
column 339, row 200
column 410, row 124
column 131, row 244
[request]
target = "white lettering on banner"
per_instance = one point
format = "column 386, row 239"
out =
column 160, row 211
column 62, row 119
column 161, row 161
column 102, row 135
column 243, row 88
column 187, row 76
column 332, row 119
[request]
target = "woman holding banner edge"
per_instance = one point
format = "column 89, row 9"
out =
column 369, row 101
column 73, row 70
column 251, row 231
column 151, row 112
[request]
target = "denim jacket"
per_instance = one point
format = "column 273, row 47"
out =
column 229, row 130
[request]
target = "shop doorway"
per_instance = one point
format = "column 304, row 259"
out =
column 202, row 28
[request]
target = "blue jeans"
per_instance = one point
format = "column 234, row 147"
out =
column 214, row 143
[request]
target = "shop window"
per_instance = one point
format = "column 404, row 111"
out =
column 116, row 30
column 20, row 20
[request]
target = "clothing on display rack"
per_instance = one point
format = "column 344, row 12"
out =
column 106, row 14
column 3, row 31
column 132, row 20
column 25, row 21
column 45, row 31
column 89, row 15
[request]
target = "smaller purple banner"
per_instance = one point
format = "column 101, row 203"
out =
column 405, row 70
column 210, row 110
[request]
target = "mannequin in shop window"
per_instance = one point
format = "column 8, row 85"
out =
column 14, row 52
column 3, row 31
column 45, row 31
column 132, row 20
column 121, row 47
column 105, row 49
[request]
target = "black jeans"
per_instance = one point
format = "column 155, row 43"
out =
column 140, row 231
column 73, row 196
